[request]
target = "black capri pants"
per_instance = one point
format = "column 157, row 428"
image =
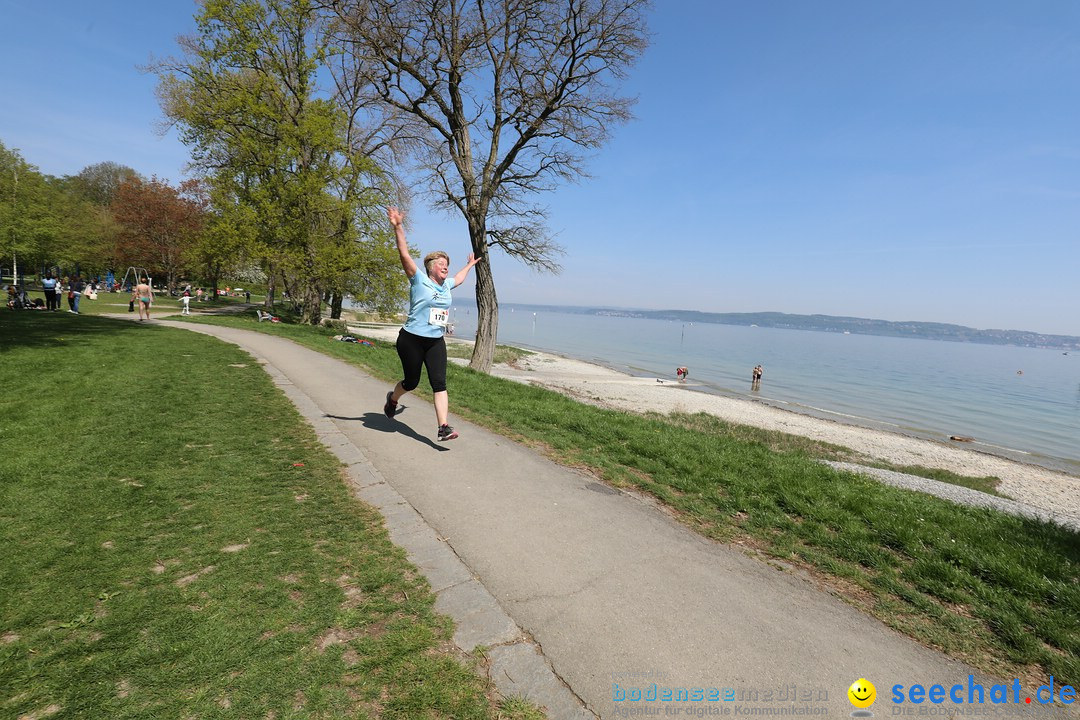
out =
column 416, row 350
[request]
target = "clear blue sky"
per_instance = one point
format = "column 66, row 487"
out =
column 895, row 159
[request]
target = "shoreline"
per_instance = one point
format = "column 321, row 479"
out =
column 967, row 444
column 972, row 445
column 1053, row 491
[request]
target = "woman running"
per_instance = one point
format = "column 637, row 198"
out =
column 420, row 341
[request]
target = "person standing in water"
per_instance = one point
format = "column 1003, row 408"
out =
column 421, row 341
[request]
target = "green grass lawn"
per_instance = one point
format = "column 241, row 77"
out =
column 997, row 591
column 177, row 544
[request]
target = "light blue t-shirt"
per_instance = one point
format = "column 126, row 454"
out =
column 424, row 295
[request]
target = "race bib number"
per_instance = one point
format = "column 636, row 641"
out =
column 439, row 317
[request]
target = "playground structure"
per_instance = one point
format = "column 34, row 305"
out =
column 139, row 273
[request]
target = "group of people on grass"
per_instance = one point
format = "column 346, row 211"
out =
column 53, row 288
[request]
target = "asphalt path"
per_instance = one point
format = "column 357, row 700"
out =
column 585, row 597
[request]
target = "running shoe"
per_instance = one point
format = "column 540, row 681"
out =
column 390, row 408
column 446, row 433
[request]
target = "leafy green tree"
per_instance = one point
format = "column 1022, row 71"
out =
column 80, row 235
column 26, row 218
column 67, row 223
column 247, row 100
column 368, row 270
column 89, row 233
column 502, row 100
column 227, row 237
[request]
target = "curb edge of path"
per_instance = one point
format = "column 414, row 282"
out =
column 516, row 664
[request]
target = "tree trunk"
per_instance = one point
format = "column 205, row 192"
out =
column 335, row 305
column 487, row 319
column 289, row 293
column 312, row 311
column 215, row 275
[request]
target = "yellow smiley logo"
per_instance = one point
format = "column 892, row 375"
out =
column 862, row 693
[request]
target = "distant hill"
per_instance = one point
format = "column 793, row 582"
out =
column 836, row 324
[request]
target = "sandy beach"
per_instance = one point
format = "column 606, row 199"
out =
column 1039, row 487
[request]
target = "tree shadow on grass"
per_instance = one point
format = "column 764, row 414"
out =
column 43, row 329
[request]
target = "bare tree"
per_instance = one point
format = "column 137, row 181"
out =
column 499, row 100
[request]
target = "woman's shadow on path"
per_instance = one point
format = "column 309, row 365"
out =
column 380, row 423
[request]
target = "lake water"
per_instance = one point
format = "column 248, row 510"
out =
column 924, row 388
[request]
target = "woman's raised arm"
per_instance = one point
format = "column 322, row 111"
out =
column 464, row 272
column 407, row 262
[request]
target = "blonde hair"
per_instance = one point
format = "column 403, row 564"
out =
column 432, row 257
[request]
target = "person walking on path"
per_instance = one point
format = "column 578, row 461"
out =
column 421, row 341
column 144, row 297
